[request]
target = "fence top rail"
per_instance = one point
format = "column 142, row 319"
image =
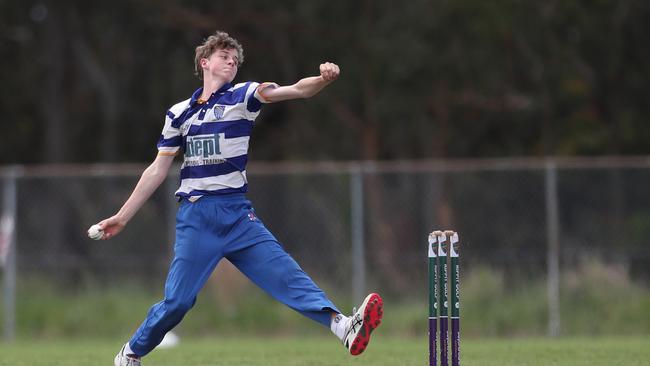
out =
column 335, row 167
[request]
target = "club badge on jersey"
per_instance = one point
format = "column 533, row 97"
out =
column 218, row 111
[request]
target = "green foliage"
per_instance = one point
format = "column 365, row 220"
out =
column 596, row 299
column 437, row 79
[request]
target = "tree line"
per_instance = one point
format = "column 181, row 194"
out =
column 91, row 81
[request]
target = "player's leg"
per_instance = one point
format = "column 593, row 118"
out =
column 269, row 266
column 196, row 253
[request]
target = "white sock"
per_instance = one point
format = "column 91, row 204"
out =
column 128, row 350
column 338, row 325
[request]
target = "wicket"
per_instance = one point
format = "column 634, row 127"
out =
column 441, row 243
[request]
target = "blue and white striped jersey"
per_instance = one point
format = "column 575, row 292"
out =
column 213, row 136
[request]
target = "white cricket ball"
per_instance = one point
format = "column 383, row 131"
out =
column 95, row 232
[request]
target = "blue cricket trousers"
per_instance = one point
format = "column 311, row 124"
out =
column 221, row 226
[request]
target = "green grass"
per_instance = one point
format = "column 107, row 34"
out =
column 304, row 351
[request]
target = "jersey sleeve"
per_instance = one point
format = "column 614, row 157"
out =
column 170, row 138
column 255, row 97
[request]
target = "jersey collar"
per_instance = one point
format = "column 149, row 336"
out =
column 197, row 94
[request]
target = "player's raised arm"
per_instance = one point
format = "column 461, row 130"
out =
column 304, row 88
column 150, row 180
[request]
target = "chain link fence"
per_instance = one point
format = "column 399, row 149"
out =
column 355, row 227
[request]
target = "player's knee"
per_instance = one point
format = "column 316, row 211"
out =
column 178, row 308
column 288, row 276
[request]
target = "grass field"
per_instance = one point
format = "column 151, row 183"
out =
column 628, row 351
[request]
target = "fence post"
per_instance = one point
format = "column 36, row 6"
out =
column 553, row 249
column 8, row 253
column 357, row 231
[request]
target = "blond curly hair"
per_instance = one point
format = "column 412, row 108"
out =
column 218, row 41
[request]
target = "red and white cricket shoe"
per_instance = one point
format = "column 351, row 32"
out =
column 361, row 324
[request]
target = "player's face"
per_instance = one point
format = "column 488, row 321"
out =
column 223, row 64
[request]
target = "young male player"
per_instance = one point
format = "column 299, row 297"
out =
column 215, row 220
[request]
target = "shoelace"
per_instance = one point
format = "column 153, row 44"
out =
column 132, row 361
column 356, row 321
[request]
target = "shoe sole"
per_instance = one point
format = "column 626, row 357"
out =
column 372, row 315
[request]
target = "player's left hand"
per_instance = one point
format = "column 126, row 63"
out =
column 329, row 71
